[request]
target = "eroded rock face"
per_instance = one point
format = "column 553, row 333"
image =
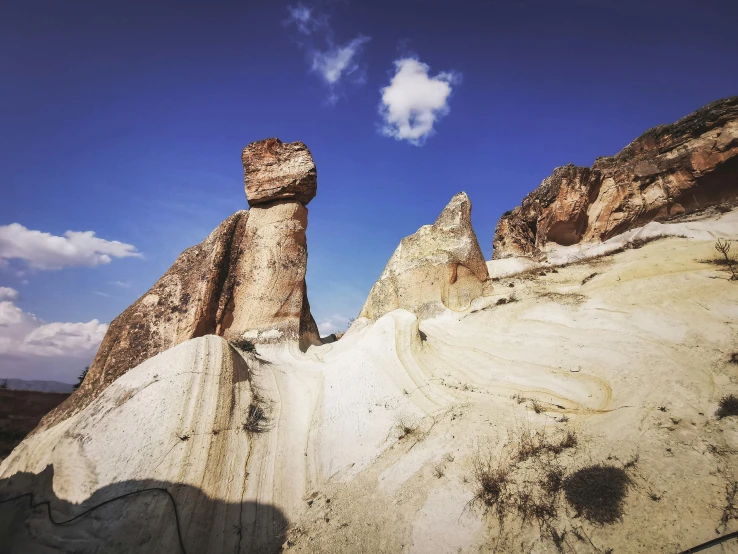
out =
column 439, row 266
column 193, row 298
column 275, row 170
column 668, row 171
column 270, row 297
column 246, row 280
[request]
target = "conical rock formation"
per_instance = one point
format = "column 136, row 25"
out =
column 441, row 265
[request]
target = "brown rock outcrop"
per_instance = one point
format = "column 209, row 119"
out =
column 246, row 280
column 441, row 265
column 274, row 170
column 193, row 298
column 668, row 171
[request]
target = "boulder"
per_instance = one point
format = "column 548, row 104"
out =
column 440, row 266
column 274, row 170
column 668, row 171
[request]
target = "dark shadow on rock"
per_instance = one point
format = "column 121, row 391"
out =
column 146, row 516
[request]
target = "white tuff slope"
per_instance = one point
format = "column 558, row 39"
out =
column 653, row 328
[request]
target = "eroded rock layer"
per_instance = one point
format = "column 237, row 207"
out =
column 668, row 171
column 192, row 299
column 441, row 265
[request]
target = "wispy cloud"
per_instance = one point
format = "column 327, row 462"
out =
column 334, row 62
column 413, row 101
column 45, row 251
column 333, row 324
column 121, row 284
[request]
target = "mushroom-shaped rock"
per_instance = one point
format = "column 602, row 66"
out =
column 274, row 170
column 439, row 266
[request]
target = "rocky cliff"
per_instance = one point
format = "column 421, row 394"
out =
column 670, row 170
column 245, row 280
column 440, row 266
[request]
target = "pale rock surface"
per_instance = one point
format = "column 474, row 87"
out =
column 668, row 171
column 635, row 357
column 274, row 170
column 440, row 266
column 270, row 295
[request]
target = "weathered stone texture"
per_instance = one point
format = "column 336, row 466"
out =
column 441, row 265
column 274, row 170
column 668, row 171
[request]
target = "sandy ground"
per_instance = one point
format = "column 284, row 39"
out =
column 372, row 440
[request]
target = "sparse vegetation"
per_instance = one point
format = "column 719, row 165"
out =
column 244, row 345
column 723, row 248
column 727, row 406
column 734, row 358
column 507, row 213
column 438, row 470
column 537, row 406
column 492, row 482
column 563, row 419
column 519, row 398
column 589, row 277
column 257, row 415
column 509, row 300
column 81, row 378
column 532, row 445
column 405, row 426
column 597, row 492
column 730, row 510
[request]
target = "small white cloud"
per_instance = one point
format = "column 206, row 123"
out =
column 121, row 284
column 338, row 61
column 103, row 294
column 333, row 324
column 33, row 349
column 303, row 18
column 6, row 293
column 414, row 101
column 46, row 251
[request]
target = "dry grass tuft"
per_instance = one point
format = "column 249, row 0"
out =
column 257, row 415
column 589, row 277
column 533, row 445
column 730, row 510
column 405, row 426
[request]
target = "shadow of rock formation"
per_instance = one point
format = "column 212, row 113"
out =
column 146, row 516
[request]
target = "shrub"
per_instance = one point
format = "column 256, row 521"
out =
column 243, row 344
column 597, row 492
column 727, row 406
column 723, row 247
column 492, row 486
column 257, row 418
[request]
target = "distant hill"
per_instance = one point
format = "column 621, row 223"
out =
column 42, row 386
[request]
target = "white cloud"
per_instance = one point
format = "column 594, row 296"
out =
column 6, row 293
column 338, row 61
column 45, row 251
column 334, row 63
column 304, row 19
column 121, row 284
column 33, row 349
column 332, row 324
column 414, row 101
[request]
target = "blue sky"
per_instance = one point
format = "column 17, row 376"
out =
column 127, row 119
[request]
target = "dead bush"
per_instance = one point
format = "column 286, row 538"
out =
column 589, row 277
column 533, row 445
column 597, row 492
column 723, row 248
column 405, row 426
column 730, row 510
column 244, row 345
column 257, row 415
column 734, row 358
column 493, row 482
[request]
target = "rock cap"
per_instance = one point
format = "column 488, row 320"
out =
column 275, row 170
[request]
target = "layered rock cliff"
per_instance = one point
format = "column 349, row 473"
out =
column 246, row 280
column 440, row 266
column 670, row 170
